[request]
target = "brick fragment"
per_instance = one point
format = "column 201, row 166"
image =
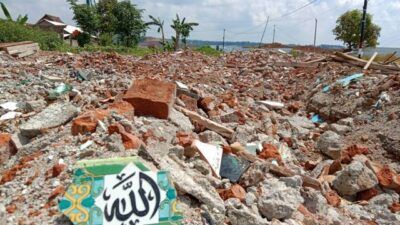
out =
column 333, row 198
column 335, row 166
column 123, row 108
column 87, row 123
column 388, row 178
column 270, row 151
column 185, row 139
column 236, row 191
column 351, row 151
column 207, row 104
column 130, row 141
column 191, row 103
column 367, row 194
column 7, row 147
column 395, row 207
column 151, row 97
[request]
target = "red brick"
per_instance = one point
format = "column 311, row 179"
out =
column 87, row 123
column 151, row 97
column 185, row 139
column 388, row 178
column 395, row 207
column 130, row 141
column 123, row 108
column 270, row 151
column 207, row 104
column 367, row 194
column 351, row 151
column 333, row 198
column 7, row 147
column 236, row 191
column 191, row 103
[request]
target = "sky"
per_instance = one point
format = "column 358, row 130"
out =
column 243, row 20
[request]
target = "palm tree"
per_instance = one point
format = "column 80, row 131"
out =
column 181, row 29
column 20, row 20
column 160, row 24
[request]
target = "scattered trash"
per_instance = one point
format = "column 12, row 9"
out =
column 106, row 184
column 317, row 119
column 59, row 91
column 272, row 104
column 10, row 115
column 345, row 81
column 11, row 106
column 233, row 167
column 86, row 145
column 212, row 154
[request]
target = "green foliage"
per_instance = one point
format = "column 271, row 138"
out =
column 83, row 39
column 348, row 29
column 106, row 39
column 120, row 19
column 208, row 50
column 160, row 24
column 136, row 51
column 129, row 25
column 13, row 32
column 20, row 19
column 182, row 31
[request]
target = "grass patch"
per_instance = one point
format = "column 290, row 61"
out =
column 136, row 51
column 14, row 32
column 208, row 50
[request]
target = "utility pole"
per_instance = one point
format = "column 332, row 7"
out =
column 315, row 32
column 363, row 24
column 273, row 37
column 265, row 28
column 223, row 41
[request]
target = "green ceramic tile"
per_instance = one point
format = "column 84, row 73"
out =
column 233, row 167
column 120, row 191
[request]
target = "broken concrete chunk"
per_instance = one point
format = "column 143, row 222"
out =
column 53, row 116
column 209, row 136
column 354, row 178
column 151, row 97
column 279, row 201
column 331, row 144
column 180, row 120
column 340, row 129
column 239, row 214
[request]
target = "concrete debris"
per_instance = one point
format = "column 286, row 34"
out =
column 279, row 200
column 354, row 178
column 54, row 115
column 331, row 144
column 307, row 157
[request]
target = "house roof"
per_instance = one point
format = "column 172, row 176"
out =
column 51, row 18
column 55, row 23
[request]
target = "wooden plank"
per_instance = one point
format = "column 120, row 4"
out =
column 370, row 61
column 26, row 53
column 383, row 68
column 350, row 57
column 33, row 48
column 222, row 130
column 21, row 48
column 9, row 44
column 389, row 58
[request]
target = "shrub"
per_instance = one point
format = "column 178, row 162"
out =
column 14, row 32
column 83, row 39
column 208, row 50
column 106, row 39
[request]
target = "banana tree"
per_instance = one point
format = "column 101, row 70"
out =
column 20, row 20
column 182, row 30
column 160, row 24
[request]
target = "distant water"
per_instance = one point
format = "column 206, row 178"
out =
column 367, row 51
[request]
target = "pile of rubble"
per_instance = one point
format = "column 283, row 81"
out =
column 257, row 137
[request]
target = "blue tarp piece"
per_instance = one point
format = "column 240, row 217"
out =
column 345, row 81
column 317, row 119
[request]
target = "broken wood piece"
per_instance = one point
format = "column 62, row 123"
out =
column 370, row 61
column 22, row 48
column 385, row 62
column 285, row 172
column 209, row 124
column 383, row 68
column 3, row 46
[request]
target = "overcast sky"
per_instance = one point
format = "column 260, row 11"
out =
column 244, row 20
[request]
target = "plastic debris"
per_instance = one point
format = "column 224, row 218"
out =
column 86, row 145
column 317, row 119
column 345, row 81
column 10, row 115
column 59, row 91
column 212, row 155
column 11, row 106
column 233, row 167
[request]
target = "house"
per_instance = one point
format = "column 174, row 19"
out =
column 55, row 24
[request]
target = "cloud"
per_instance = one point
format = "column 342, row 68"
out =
column 243, row 20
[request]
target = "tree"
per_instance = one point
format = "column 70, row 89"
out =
column 20, row 20
column 348, row 28
column 108, row 19
column 129, row 25
column 182, row 30
column 160, row 24
column 86, row 17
